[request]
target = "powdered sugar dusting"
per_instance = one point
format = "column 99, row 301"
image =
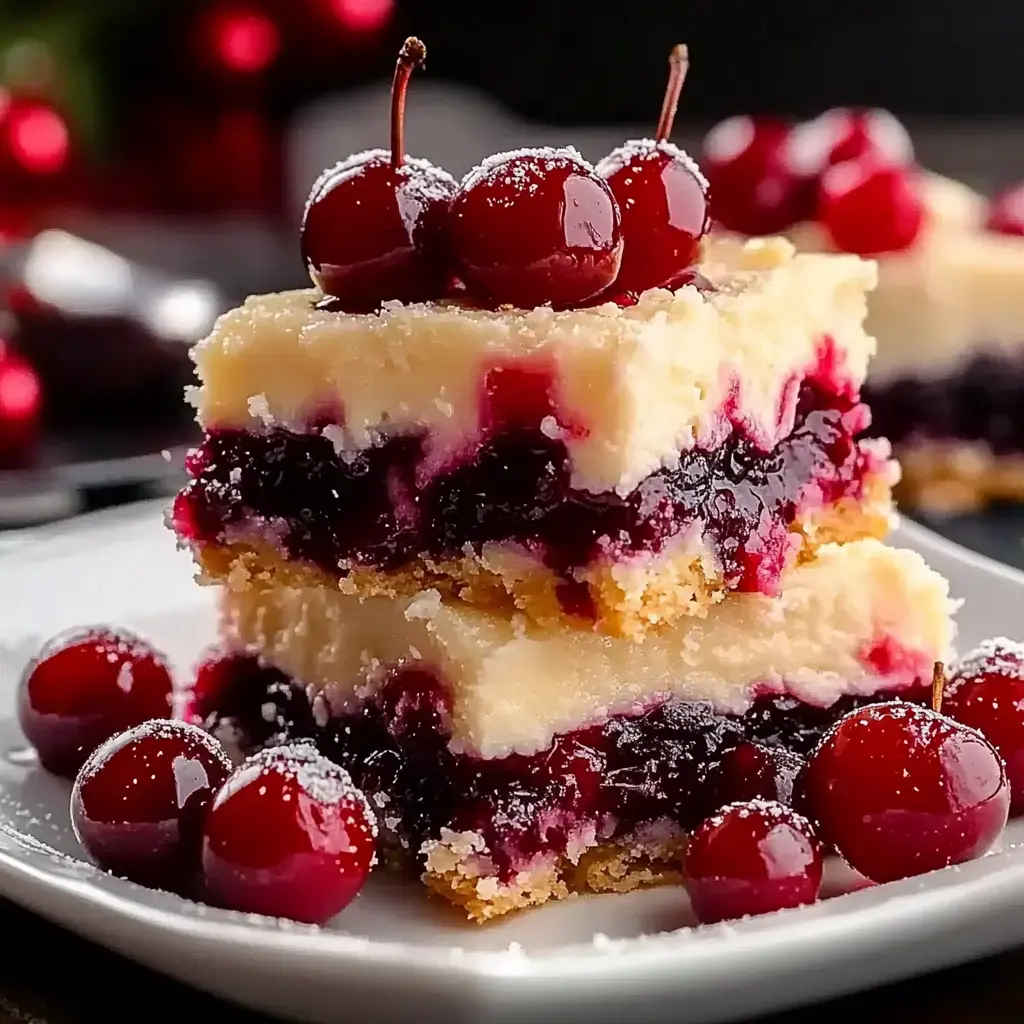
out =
column 523, row 169
column 996, row 656
column 155, row 729
column 322, row 780
column 422, row 179
column 638, row 150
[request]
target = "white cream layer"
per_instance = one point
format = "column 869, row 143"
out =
column 636, row 385
column 514, row 688
column 957, row 293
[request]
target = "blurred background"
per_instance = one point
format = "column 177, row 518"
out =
column 155, row 155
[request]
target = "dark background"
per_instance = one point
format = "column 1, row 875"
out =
column 603, row 61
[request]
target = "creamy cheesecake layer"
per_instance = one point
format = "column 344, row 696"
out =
column 630, row 387
column 957, row 293
column 859, row 618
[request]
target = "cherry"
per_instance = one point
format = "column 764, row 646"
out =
column 247, row 703
column 374, row 225
column 987, row 693
column 870, row 207
column 900, row 790
column 840, row 135
column 753, row 857
column 84, row 687
column 138, row 803
column 288, row 837
column 536, row 226
column 755, row 191
column 1006, row 212
column 753, row 771
column 662, row 197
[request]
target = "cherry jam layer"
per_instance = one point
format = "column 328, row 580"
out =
column 983, row 401
column 375, row 509
column 610, row 779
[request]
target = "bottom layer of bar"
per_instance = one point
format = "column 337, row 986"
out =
column 514, row 766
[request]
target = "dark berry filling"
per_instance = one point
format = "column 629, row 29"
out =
column 615, row 777
column 375, row 509
column 983, row 401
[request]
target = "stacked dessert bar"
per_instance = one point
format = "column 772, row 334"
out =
column 539, row 569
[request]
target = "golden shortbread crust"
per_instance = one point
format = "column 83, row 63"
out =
column 610, row 866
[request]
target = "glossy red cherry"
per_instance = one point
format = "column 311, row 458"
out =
column 753, row 771
column 374, row 225
column 1006, row 212
column 986, row 692
column 755, row 191
column 536, row 226
column 899, row 790
column 840, row 135
column 869, row 208
column 662, row 196
column 84, row 687
column 288, row 837
column 751, row 858
column 139, row 802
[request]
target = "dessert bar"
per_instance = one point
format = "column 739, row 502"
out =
column 517, row 764
column 618, row 466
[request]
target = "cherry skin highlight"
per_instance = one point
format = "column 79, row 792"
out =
column 139, row 801
column 986, row 692
column 84, row 687
column 536, row 227
column 663, row 200
column 870, row 208
column 900, row 790
column 288, row 836
column 753, row 857
column 374, row 225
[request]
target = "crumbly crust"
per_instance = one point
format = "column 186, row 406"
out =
column 950, row 477
column 653, row 857
column 630, row 599
column 630, row 387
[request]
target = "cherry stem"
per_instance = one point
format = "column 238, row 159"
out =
column 411, row 56
column 938, row 683
column 678, row 65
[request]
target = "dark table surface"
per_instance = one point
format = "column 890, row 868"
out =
column 48, row 976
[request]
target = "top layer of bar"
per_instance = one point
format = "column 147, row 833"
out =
column 628, row 388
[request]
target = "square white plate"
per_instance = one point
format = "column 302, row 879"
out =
column 394, row 954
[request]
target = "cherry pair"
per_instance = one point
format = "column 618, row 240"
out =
column 852, row 170
column 528, row 228
column 897, row 789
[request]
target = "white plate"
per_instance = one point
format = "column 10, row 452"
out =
column 395, row 955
